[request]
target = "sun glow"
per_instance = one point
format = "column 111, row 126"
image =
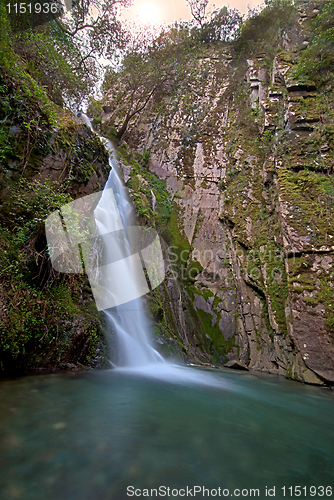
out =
column 148, row 14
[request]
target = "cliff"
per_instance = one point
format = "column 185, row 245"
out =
column 48, row 157
column 244, row 144
column 227, row 150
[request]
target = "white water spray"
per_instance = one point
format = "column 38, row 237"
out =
column 132, row 349
column 128, row 325
column 127, row 321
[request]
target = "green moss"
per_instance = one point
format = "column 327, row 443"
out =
column 277, row 289
column 38, row 314
column 205, row 184
column 214, row 342
column 142, row 192
column 193, row 269
column 310, row 205
column 311, row 301
column 163, row 326
column 289, row 372
column 316, row 62
column 86, row 152
column 64, row 138
column 25, row 130
column 208, row 336
column 28, row 204
column 330, row 323
column 175, row 238
column 300, row 271
column 34, row 320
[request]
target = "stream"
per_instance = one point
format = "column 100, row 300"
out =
column 90, row 436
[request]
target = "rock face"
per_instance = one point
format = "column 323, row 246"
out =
column 48, row 320
column 242, row 152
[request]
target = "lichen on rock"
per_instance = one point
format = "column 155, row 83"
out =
column 245, row 149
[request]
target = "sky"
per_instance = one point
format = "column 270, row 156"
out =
column 160, row 11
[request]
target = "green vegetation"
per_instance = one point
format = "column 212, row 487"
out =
column 309, row 217
column 144, row 185
column 32, row 201
column 261, row 32
column 37, row 304
column 315, row 288
column 46, row 317
column 163, row 325
column 25, row 110
column 208, row 334
column 278, row 176
column 221, row 25
column 316, row 62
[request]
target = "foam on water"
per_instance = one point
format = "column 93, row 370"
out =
column 175, row 374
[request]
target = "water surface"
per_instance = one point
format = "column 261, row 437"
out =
column 88, row 436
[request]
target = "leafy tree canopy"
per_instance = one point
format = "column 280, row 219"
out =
column 64, row 55
column 150, row 68
column 220, row 25
column 317, row 61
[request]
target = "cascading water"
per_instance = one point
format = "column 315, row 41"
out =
column 131, row 347
column 127, row 322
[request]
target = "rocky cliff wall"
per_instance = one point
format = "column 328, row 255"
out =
column 48, row 320
column 244, row 152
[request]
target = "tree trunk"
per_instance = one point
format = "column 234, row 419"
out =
column 120, row 133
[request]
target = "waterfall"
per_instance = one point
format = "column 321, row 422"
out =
column 129, row 327
column 127, row 322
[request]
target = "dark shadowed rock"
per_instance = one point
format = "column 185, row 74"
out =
column 236, row 365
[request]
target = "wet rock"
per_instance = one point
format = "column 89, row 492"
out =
column 249, row 201
column 236, row 365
